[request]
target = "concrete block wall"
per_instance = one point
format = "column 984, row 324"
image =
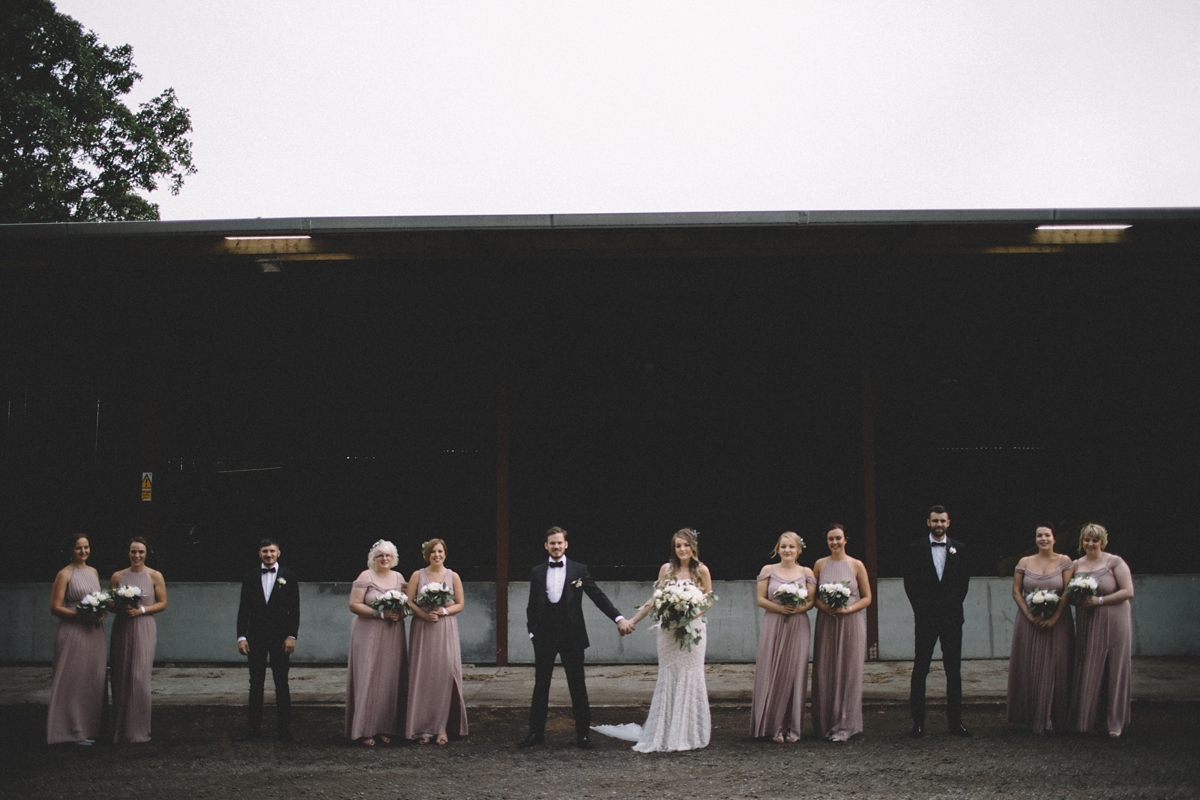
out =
column 200, row 624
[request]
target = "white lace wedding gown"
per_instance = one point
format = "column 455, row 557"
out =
column 679, row 716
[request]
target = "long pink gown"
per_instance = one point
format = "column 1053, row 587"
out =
column 377, row 670
column 1039, row 664
column 80, row 653
column 781, row 668
column 435, row 690
column 133, row 642
column 1103, row 656
column 839, row 651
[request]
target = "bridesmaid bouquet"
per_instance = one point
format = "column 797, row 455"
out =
column 1081, row 586
column 393, row 600
column 124, row 597
column 435, row 594
column 835, row 595
column 1042, row 603
column 93, row 606
column 791, row 595
column 676, row 608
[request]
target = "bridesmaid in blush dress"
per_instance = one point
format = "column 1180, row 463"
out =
column 377, row 669
column 1039, row 665
column 781, row 668
column 435, row 695
column 134, row 638
column 77, row 689
column 840, row 644
column 1104, row 639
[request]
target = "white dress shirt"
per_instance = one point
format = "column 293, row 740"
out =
column 939, row 554
column 556, row 579
column 268, row 582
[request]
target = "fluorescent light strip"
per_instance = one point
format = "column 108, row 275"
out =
column 1097, row 227
column 262, row 238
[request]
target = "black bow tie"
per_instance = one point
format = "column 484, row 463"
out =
column 554, row 564
column 268, row 569
column 938, row 544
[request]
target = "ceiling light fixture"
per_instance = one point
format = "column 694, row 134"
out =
column 263, row 238
column 1089, row 227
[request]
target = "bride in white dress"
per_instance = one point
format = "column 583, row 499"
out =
column 679, row 716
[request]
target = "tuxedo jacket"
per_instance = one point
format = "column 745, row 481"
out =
column 931, row 599
column 269, row 623
column 572, row 599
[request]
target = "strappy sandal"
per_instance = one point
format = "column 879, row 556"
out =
column 367, row 742
column 385, row 739
column 792, row 738
column 778, row 738
column 423, row 740
column 443, row 739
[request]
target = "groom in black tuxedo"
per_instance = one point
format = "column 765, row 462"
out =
column 555, row 620
column 935, row 580
column 267, row 624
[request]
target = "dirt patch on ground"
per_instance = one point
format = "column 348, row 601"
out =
column 192, row 757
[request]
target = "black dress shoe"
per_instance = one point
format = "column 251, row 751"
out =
column 247, row 735
column 531, row 740
column 286, row 736
column 959, row 729
column 583, row 742
column 917, row 731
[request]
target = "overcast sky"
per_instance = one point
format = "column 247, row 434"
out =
column 397, row 108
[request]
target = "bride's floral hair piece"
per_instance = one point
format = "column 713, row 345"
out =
column 691, row 536
column 381, row 546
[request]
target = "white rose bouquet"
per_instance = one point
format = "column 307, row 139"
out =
column 1042, row 603
column 124, row 597
column 393, row 600
column 1081, row 586
column 93, row 606
column 676, row 607
column 835, row 595
column 791, row 595
column 436, row 595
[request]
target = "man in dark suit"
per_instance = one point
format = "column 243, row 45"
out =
column 267, row 624
column 555, row 620
column 935, row 580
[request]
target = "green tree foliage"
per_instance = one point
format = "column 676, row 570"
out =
column 70, row 149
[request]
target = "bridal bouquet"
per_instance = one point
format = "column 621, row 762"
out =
column 1042, row 603
column 93, row 606
column 676, row 608
column 435, row 594
column 791, row 595
column 1081, row 586
column 835, row 595
column 393, row 600
column 124, row 597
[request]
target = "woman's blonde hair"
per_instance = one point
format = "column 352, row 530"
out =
column 794, row 537
column 382, row 546
column 1094, row 529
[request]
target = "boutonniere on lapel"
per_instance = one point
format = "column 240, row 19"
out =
column 952, row 550
column 281, row 582
column 577, row 583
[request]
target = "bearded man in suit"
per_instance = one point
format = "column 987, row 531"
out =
column 935, row 580
column 555, row 620
column 267, row 625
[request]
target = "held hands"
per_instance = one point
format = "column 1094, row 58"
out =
column 626, row 627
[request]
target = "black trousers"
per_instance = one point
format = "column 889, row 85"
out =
column 928, row 632
column 546, row 647
column 280, row 661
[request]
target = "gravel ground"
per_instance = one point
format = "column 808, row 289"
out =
column 192, row 757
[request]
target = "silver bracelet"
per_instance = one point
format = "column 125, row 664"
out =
column 1101, row 599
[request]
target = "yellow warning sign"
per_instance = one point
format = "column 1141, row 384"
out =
column 147, row 485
